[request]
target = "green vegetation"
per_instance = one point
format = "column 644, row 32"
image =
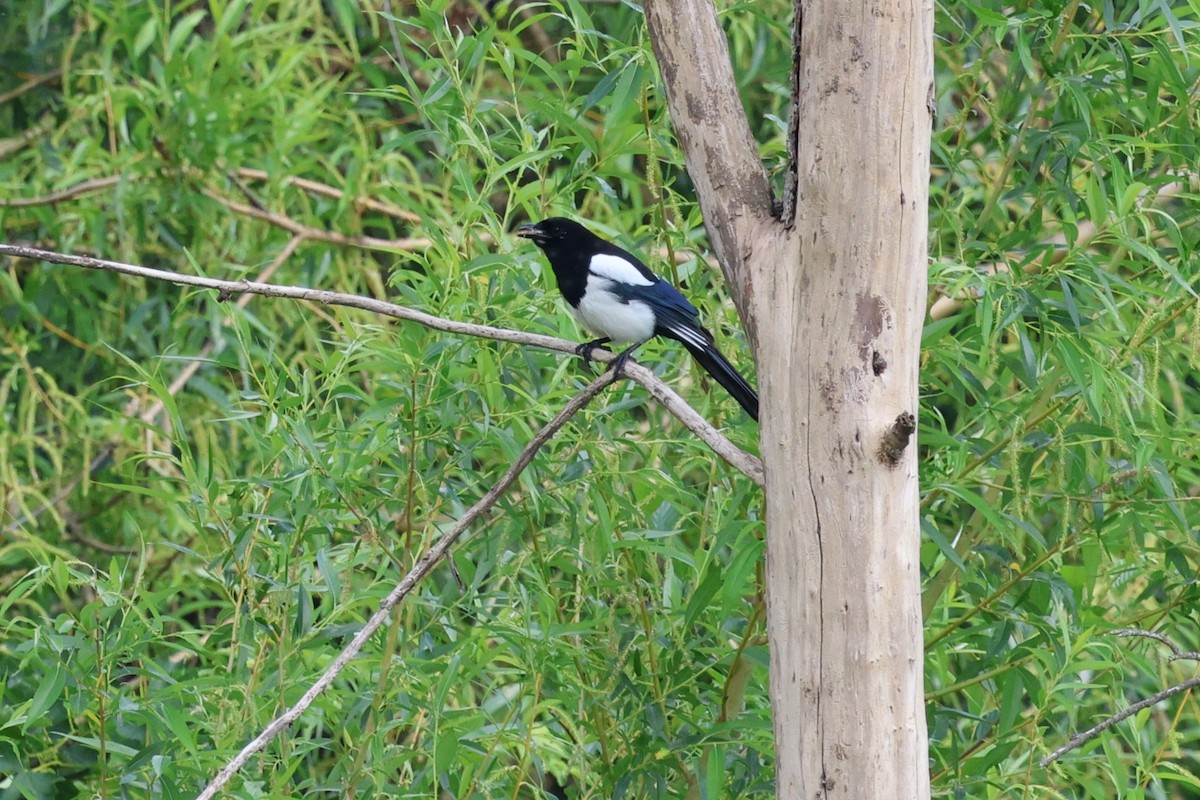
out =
column 169, row 582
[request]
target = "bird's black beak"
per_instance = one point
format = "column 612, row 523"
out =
column 530, row 230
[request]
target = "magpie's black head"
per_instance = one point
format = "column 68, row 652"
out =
column 556, row 232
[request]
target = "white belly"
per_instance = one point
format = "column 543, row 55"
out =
column 603, row 313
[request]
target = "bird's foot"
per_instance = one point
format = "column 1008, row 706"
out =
column 623, row 357
column 618, row 363
column 586, row 349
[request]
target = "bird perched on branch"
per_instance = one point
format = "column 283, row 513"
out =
column 615, row 295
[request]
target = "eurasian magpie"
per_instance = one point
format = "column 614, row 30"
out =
column 612, row 293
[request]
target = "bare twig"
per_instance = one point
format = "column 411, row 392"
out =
column 29, row 85
column 248, row 173
column 389, row 19
column 1176, row 653
column 70, row 193
column 1094, row 731
column 325, row 190
column 15, row 144
column 749, row 464
column 1091, row 733
column 423, row 567
column 316, row 234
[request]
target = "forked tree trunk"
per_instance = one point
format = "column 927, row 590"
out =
column 833, row 297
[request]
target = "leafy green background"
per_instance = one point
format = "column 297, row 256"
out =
column 167, row 587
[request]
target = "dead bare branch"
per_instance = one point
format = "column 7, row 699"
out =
column 31, row 84
column 15, row 144
column 316, row 234
column 249, row 173
column 1091, row 733
column 425, row 564
column 325, row 190
column 748, row 464
column 1177, row 654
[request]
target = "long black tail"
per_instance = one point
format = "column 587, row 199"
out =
column 723, row 373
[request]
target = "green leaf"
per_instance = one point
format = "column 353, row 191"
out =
column 145, row 36
column 701, row 597
column 182, row 30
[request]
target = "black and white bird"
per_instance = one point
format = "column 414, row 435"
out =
column 613, row 294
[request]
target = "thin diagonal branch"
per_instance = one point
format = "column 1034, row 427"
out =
column 32, row 83
column 425, row 564
column 70, row 193
column 748, row 464
column 1091, row 733
column 1094, row 731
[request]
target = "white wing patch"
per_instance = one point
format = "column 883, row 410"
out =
column 617, row 269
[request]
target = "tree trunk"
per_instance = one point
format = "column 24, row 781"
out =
column 834, row 298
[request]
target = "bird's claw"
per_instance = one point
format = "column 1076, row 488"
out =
column 586, row 349
column 618, row 363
